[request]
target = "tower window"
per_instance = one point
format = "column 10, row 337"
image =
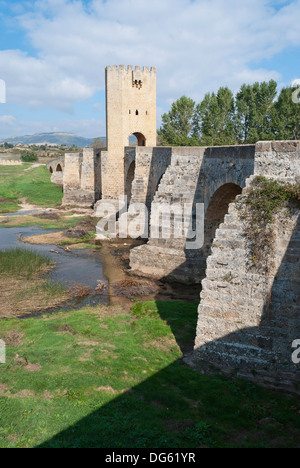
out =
column 136, row 112
column 129, row 111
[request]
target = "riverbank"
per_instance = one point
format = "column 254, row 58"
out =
column 23, row 286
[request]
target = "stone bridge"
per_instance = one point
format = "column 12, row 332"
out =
column 56, row 168
column 248, row 323
column 194, row 175
column 248, row 320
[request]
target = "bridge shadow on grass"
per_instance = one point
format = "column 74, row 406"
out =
column 177, row 407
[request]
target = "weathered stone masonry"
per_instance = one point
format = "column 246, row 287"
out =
column 248, row 320
column 82, row 178
column 194, row 175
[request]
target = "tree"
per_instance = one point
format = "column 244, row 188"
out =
column 221, row 119
column 253, row 112
column 29, row 156
column 285, row 116
column 98, row 143
column 214, row 121
column 177, row 125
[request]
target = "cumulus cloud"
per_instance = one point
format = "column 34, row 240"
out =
column 196, row 46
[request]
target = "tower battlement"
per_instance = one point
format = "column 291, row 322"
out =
column 130, row 68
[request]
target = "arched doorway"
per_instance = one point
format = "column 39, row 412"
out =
column 137, row 139
column 216, row 211
column 129, row 180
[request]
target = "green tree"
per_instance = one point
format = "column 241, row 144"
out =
column 214, row 118
column 29, row 156
column 178, row 124
column 253, row 112
column 285, row 116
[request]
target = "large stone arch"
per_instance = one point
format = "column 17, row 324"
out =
column 216, row 211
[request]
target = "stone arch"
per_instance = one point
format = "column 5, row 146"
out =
column 51, row 170
column 216, row 211
column 141, row 139
column 129, row 180
column 58, row 168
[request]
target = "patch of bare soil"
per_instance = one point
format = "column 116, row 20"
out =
column 134, row 288
column 26, row 206
column 12, row 338
column 54, row 238
column 77, row 232
column 47, row 215
column 22, row 297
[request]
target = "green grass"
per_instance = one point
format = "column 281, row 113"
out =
column 34, row 185
column 26, row 221
column 25, row 263
column 100, row 377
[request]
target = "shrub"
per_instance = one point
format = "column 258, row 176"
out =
column 29, row 156
column 266, row 198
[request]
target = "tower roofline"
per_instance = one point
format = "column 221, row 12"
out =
column 130, row 68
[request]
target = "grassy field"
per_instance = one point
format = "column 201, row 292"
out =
column 100, row 377
column 22, row 181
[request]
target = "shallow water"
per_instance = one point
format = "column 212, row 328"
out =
column 80, row 266
column 87, row 267
column 20, row 213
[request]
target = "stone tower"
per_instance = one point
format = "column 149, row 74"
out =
column 130, row 110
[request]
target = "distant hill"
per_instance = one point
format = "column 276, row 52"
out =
column 56, row 138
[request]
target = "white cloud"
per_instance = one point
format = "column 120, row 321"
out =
column 196, row 46
column 8, row 120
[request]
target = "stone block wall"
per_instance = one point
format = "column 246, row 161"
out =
column 249, row 319
column 193, row 176
column 82, row 178
column 150, row 166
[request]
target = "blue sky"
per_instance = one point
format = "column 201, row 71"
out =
column 53, row 54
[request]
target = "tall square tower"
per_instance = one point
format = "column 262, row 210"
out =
column 130, row 110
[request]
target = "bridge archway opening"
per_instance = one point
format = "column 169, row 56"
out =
column 129, row 181
column 216, row 211
column 51, row 170
column 137, row 139
column 58, row 168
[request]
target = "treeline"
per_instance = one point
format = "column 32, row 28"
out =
column 256, row 112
